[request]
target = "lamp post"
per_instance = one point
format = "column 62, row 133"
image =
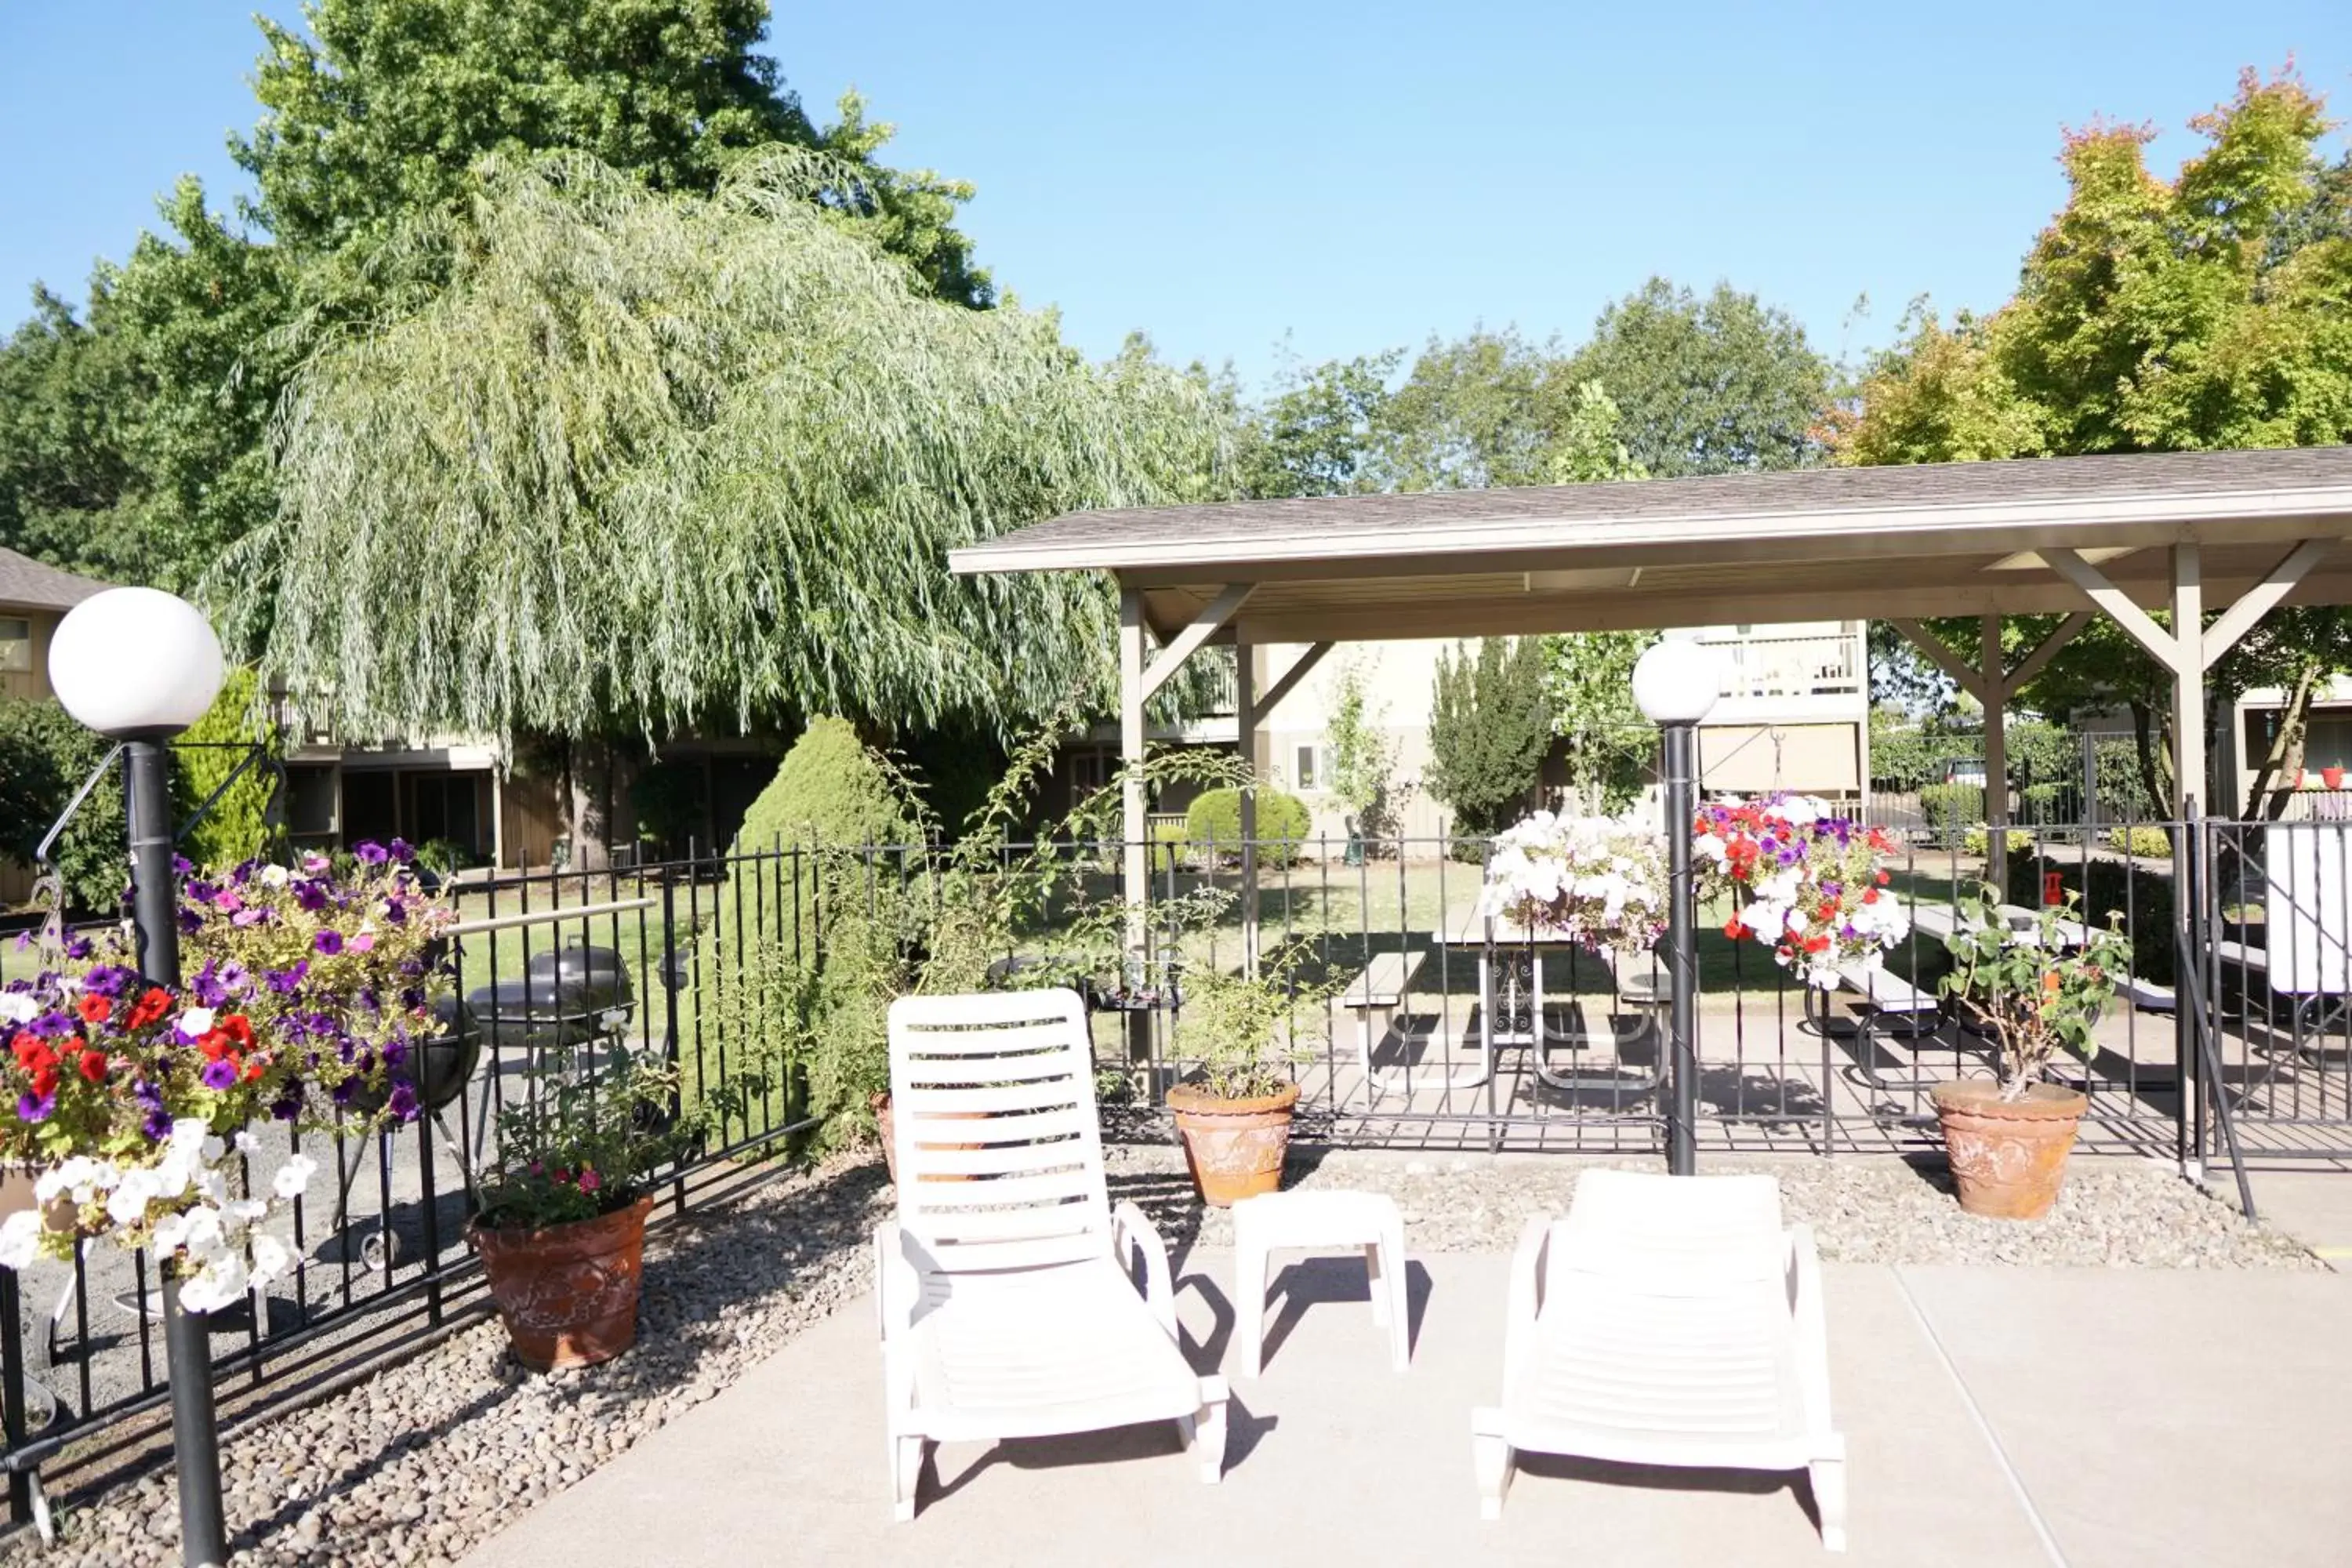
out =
column 1675, row 683
column 140, row 665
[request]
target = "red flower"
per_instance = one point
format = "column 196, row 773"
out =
column 94, row 1066
column 215, row 1044
column 45, row 1081
column 153, row 1004
column 93, row 1008
column 32, row 1055
column 1735, row 928
column 237, row 1027
column 1883, row 879
column 1870, row 896
column 252, row 1071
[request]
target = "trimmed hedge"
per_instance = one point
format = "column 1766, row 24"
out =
column 829, row 790
column 1282, row 821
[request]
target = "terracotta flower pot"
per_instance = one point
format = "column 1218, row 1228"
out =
column 2332, row 777
column 568, row 1293
column 2008, row 1156
column 1235, row 1147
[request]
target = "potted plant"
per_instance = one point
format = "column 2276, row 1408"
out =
column 1233, row 1112
column 2020, row 983
column 1598, row 880
column 560, row 1218
column 2333, row 777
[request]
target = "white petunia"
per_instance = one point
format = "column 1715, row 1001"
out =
column 20, row 1238
column 127, row 1204
column 293, row 1178
column 218, row 1284
column 244, row 1142
column 16, row 1007
column 272, row 1258
column 196, row 1022
column 274, row 875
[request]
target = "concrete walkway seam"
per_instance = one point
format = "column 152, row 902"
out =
column 1983, row 1424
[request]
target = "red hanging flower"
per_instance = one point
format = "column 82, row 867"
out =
column 238, row 1028
column 152, row 1005
column 92, row 1066
column 93, row 1008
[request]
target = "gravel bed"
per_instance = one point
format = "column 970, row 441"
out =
column 431, row 1456
column 2111, row 1213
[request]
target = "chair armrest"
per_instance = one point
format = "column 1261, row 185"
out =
column 1526, row 1300
column 1812, row 1326
column 1132, row 1233
column 898, row 1286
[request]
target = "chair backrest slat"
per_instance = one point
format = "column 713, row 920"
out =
column 997, row 1143
column 1672, row 1234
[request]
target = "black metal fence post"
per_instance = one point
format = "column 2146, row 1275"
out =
column 1682, row 946
column 11, row 1392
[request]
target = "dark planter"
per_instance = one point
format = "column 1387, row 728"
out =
column 568, row 1293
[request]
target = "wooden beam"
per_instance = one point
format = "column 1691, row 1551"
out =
column 1214, row 615
column 1299, row 668
column 1970, row 679
column 2262, row 597
column 2030, row 664
column 2137, row 623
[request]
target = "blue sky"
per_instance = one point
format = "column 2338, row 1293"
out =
column 1354, row 175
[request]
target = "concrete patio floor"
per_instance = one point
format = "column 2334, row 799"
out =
column 2093, row 1418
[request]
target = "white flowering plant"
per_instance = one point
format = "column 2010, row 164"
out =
column 1599, row 880
column 132, row 1103
column 1807, row 883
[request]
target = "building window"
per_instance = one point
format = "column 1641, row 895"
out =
column 1312, row 769
column 16, row 644
column 1089, row 770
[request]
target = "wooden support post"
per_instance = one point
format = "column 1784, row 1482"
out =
column 1245, row 740
column 2188, row 782
column 1993, row 667
column 1136, row 869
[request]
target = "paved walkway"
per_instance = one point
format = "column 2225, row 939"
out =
column 2090, row 1418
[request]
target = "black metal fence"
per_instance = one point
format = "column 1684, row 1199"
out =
column 2231, row 1036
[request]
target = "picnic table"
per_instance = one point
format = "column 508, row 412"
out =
column 1510, row 961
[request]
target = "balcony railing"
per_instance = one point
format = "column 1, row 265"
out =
column 1792, row 667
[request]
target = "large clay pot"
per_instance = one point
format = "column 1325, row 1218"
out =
column 2008, row 1156
column 1235, row 1147
column 568, row 1293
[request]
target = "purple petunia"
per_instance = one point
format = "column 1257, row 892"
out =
column 33, row 1107
column 288, row 1105
column 285, row 982
column 218, row 1074
column 182, row 865
column 395, row 911
column 396, row 1052
column 79, row 949
column 190, row 923
column 370, row 853
column 329, row 943
column 148, row 1094
column 310, row 896
column 106, row 980
column 157, row 1126
column 53, row 1025
column 403, row 1102
column 210, row 992
column 402, row 851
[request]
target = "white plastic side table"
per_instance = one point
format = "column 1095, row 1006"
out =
column 1319, row 1219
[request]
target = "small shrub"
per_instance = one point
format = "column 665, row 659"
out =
column 43, row 757
column 2146, row 842
column 829, row 789
column 238, row 826
column 1952, row 809
column 1979, row 840
column 1215, row 818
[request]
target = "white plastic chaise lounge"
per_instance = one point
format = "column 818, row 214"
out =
column 1668, row 1320
column 1007, row 1281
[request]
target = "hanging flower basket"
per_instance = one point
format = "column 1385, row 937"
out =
column 1598, row 880
column 1809, row 885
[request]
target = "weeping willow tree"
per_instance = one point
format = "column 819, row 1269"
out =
column 652, row 462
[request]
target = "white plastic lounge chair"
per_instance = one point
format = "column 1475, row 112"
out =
column 1667, row 1321
column 1007, row 1282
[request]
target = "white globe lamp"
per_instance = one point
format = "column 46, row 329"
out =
column 135, row 664
column 1675, row 682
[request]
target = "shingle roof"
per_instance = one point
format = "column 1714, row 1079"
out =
column 27, row 584
column 2170, row 487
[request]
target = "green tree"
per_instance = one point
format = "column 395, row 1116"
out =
column 376, row 110
column 1590, row 677
column 1363, row 758
column 45, row 755
column 1707, row 385
column 2210, row 311
column 657, row 460
column 1323, row 431
column 1490, row 725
